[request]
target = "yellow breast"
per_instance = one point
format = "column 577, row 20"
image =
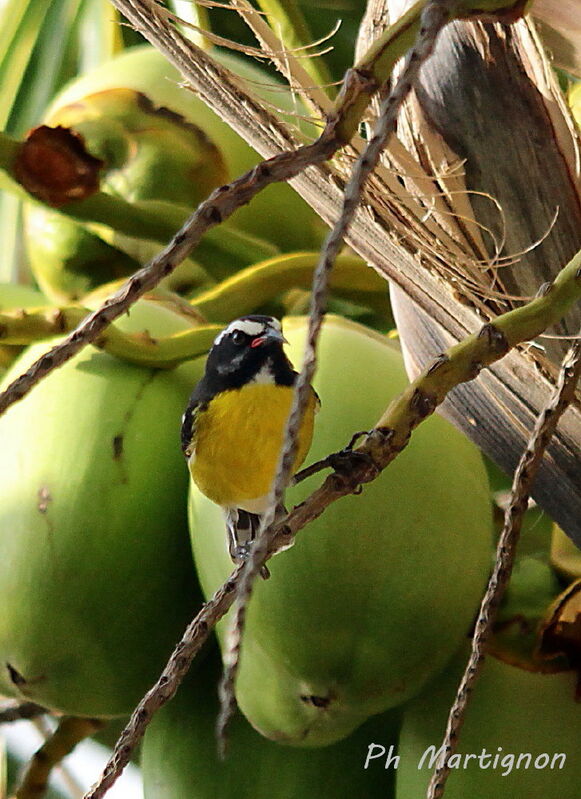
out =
column 238, row 442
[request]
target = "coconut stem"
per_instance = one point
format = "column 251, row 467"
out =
column 289, row 21
column 235, row 296
column 258, row 284
column 70, row 731
column 523, row 480
column 25, row 327
column 465, row 360
column 20, row 710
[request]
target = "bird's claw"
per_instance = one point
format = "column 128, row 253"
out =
column 241, row 553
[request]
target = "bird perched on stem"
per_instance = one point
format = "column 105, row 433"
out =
column 233, row 427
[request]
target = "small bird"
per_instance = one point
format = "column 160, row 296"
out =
column 233, row 427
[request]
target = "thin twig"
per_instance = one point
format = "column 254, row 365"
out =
column 434, row 17
column 17, row 711
column 459, row 364
column 523, row 480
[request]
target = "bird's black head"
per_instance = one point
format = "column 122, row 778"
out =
column 248, row 350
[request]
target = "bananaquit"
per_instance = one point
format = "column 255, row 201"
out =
column 233, row 427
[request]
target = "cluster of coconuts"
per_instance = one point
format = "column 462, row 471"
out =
column 163, row 150
column 348, row 645
column 97, row 580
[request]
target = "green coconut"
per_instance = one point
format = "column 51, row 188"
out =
column 378, row 593
column 520, row 737
column 149, row 153
column 162, row 150
column 96, row 583
column 150, row 157
column 277, row 214
column 521, row 731
column 179, row 759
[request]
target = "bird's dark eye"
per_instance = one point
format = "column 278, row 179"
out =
column 238, row 337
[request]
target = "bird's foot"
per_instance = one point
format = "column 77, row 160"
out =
column 241, row 552
column 344, row 462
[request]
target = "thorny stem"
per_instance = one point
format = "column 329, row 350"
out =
column 523, row 480
column 383, row 446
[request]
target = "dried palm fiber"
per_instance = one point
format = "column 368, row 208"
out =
column 488, row 121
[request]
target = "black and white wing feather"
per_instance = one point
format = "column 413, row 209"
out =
column 189, row 425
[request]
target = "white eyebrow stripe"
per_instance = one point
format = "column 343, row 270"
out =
column 248, row 326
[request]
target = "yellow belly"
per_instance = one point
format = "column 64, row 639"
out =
column 238, row 442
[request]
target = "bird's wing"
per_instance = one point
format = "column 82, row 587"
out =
column 317, row 400
column 189, row 424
